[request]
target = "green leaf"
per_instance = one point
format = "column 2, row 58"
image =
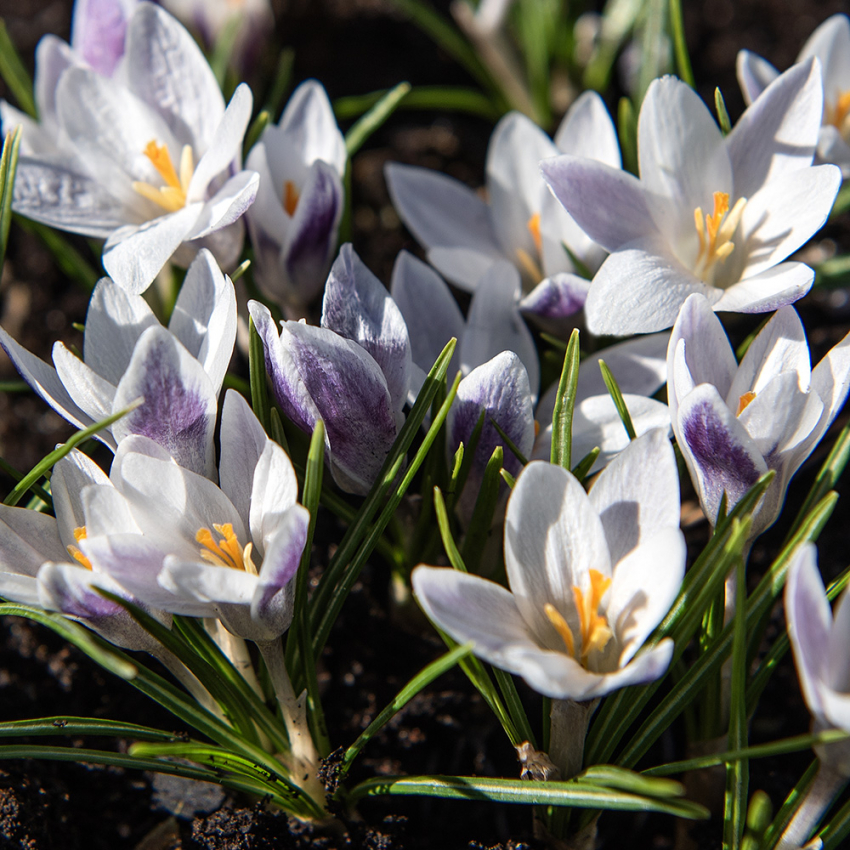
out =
column 257, row 372
column 627, row 122
column 482, row 514
column 509, row 443
column 835, row 834
column 441, row 98
column 722, row 113
column 680, row 46
column 14, row 73
column 253, row 135
column 374, row 118
column 644, row 784
column 514, row 705
column 67, row 725
column 280, row 83
column 842, row 202
column 444, row 525
column 583, row 467
column 8, row 168
column 224, row 47
column 467, row 458
column 420, row 681
column 617, row 397
column 789, row 807
column 562, row 416
column 571, row 794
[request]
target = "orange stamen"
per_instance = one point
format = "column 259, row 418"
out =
column 74, row 551
column 595, row 632
column 533, row 226
column 226, row 552
column 291, row 196
column 743, row 401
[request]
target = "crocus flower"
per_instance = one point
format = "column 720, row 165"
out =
column 177, row 541
column 590, row 576
column 149, row 163
column 733, row 423
column 98, row 32
column 41, row 564
column 520, row 222
column 353, row 372
column 710, row 214
column 830, row 43
column 127, row 354
column 294, row 222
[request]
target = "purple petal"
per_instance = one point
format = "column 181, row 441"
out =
column 556, row 297
column 98, row 31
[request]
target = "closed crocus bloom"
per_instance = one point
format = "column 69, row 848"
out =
column 294, row 222
column 179, row 542
column 353, row 372
column 590, row 577
column 520, row 221
column 830, row 43
column 711, row 214
column 128, row 354
column 735, row 422
column 149, row 158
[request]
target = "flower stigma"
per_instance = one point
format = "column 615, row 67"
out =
column 715, row 233
column 291, row 196
column 227, row 552
column 595, row 631
column 75, row 552
column 839, row 114
column 743, row 401
column 171, row 196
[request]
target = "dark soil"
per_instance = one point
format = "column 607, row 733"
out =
column 353, row 46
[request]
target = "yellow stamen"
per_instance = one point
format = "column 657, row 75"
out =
column 74, row 551
column 595, row 632
column 291, row 196
column 561, row 627
column 837, row 115
column 743, row 401
column 171, row 196
column 715, row 233
column 533, row 226
column 529, row 266
column 226, row 552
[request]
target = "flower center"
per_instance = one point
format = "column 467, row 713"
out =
column 715, row 234
column 227, row 552
column 838, row 115
column 291, row 196
column 530, row 265
column 743, row 401
column 171, row 196
column 595, row 631
column 74, row 551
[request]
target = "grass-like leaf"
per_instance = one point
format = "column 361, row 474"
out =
column 255, row 131
column 443, row 98
column 722, row 112
column 67, row 725
column 680, row 45
column 485, row 508
column 374, row 118
column 562, row 416
column 8, row 168
column 14, row 73
column 617, row 397
column 443, row 523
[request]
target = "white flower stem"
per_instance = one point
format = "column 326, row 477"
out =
column 188, row 679
column 827, row 785
column 567, row 731
column 304, row 760
column 235, row 648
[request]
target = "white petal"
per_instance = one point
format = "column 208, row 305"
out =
column 587, row 130
column 771, row 289
column 463, row 267
column 27, row 539
column 224, row 208
column 92, row 393
column 754, row 74
column 274, row 492
column 830, row 43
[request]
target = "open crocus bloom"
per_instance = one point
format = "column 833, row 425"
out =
column 148, row 162
column 710, row 214
column 520, row 222
column 820, row 652
column 41, row 563
column 294, row 221
column 590, row 575
column 178, row 542
column 830, row 43
column 128, row 355
column 733, row 423
column 353, row 372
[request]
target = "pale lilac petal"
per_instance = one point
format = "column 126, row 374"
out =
column 224, row 208
column 587, row 130
column 637, row 494
column 640, row 289
column 133, row 257
column 114, row 322
column 71, row 476
column 809, row 622
column 441, row 211
column 53, row 57
column 28, row 539
column 783, row 214
column 196, row 586
column 838, row 670
column 71, row 590
column 832, row 148
column 22, row 589
column 639, row 365
column 106, row 511
column 358, row 307
column 779, row 131
column 274, row 492
column 556, row 297
column 553, row 538
column 720, row 454
column 179, row 409
column 610, row 205
column 98, row 30
column 204, row 317
column 770, row 290
column 831, row 381
column 166, row 69
column 463, row 267
column 309, row 126
column 429, row 310
column 754, row 74
column 494, row 324
column 829, row 43
column 90, row 391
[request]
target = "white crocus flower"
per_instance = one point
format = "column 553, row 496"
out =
column 590, row 576
column 710, row 214
column 178, row 542
column 127, row 354
column 520, row 221
column 830, row 43
column 150, row 161
column 295, row 219
column 733, row 423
